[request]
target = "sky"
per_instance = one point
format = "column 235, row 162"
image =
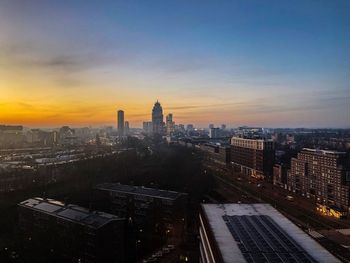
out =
column 260, row 63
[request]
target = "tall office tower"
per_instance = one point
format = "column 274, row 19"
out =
column 120, row 122
column 211, row 126
column 223, row 126
column 231, row 233
column 253, row 157
column 324, row 176
column 170, row 124
column 157, row 119
column 126, row 128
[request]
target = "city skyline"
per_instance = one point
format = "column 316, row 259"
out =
column 267, row 64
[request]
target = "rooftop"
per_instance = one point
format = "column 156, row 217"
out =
column 140, row 190
column 70, row 212
column 324, row 152
column 259, row 233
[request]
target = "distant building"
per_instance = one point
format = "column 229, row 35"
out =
column 323, row 175
column 189, row 127
column 11, row 136
column 211, row 126
column 126, row 128
column 253, row 157
column 157, row 119
column 70, row 233
column 146, row 207
column 67, row 136
column 39, row 137
column 170, row 124
column 120, row 123
column 181, row 128
column 214, row 133
column 147, row 127
column 231, row 233
column 280, row 175
column 217, row 153
column 223, row 126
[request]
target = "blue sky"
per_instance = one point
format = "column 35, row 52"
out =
column 268, row 63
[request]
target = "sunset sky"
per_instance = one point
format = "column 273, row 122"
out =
column 263, row 63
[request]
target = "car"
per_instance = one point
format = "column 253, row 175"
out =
column 171, row 247
column 158, row 254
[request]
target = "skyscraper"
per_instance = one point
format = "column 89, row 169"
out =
column 127, row 128
column 120, row 122
column 157, row 119
column 170, row 125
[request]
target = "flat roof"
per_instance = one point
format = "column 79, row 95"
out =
column 140, row 190
column 69, row 212
column 324, row 152
column 259, row 233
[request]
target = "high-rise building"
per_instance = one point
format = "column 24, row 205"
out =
column 59, row 232
column 170, row 124
column 120, row 122
column 254, row 233
column 324, row 176
column 223, row 126
column 211, row 126
column 147, row 127
column 126, row 128
column 157, row 119
column 253, row 157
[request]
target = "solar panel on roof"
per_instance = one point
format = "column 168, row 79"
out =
column 260, row 239
column 48, row 207
column 140, row 190
column 73, row 214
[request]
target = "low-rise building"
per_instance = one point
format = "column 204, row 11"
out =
column 69, row 233
column 237, row 233
column 147, row 208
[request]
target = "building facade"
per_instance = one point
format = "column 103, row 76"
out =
column 253, row 157
column 323, row 175
column 280, row 175
column 157, row 119
column 145, row 207
column 147, row 127
column 68, row 233
column 219, row 154
column 214, row 133
column 126, row 128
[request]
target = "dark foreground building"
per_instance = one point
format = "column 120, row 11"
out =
column 145, row 207
column 55, row 232
column 237, row 233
